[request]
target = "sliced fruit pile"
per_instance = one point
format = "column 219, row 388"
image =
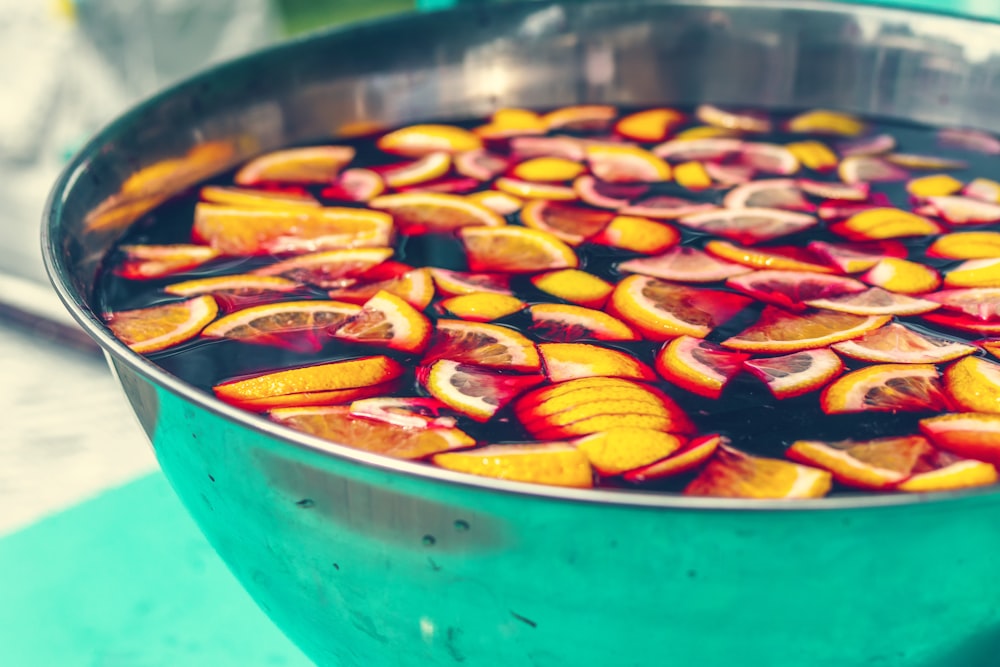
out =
column 715, row 302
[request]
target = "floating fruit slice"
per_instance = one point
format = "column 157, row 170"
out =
column 571, row 361
column 355, row 185
column 832, row 210
column 886, row 388
column 731, row 120
column 434, row 212
column 962, row 322
column 569, row 222
column 313, row 164
column 973, row 435
column 523, row 148
column 389, row 321
column 943, row 471
column 482, row 344
column 974, row 384
column 774, row 193
column 875, row 301
column 896, row 343
column 776, row 258
column 966, row 245
column 665, row 207
column 475, row 392
column 480, row 164
column 662, row 310
column 983, row 189
column 688, row 457
column 649, row 125
column 792, row 289
column 698, row 150
column 749, row 225
column 234, row 196
column 684, row 264
column 297, row 325
column 498, row 202
column 607, row 195
column 482, row 306
column 769, row 158
column 728, row 174
column 734, row 474
column 331, row 268
column 147, row 330
column 778, row 330
column 581, row 118
column 455, row 283
column 625, row 163
column 982, row 303
column 515, row 250
column 959, row 210
column 834, row 190
column 856, row 257
column 974, row 273
column 697, row 132
column 576, row 286
column 562, row 323
column 419, row 140
column 318, row 384
column 533, row 190
column 814, row 155
column 243, row 284
column 699, row 366
column 872, row 464
column 938, row 185
column 550, row 463
column 798, row 373
column 876, row 144
column 868, row 169
column 823, row 121
column 145, row 262
column 548, row 169
column 917, row 161
column 407, row 412
column 885, row 223
column 415, row 287
column 340, row 425
column 258, row 231
column 902, row 276
column 969, row 139
column 421, row 170
column 510, row 123
column 692, row 175
column 637, row 235
column 620, row 450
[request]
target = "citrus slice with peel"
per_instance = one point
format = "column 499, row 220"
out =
column 563, row 323
column 317, row 384
column 798, row 373
column 498, row 202
column 482, row 344
column 728, row 174
column 147, row 330
column 973, row 435
column 814, row 155
column 649, row 125
column 297, row 325
column 875, row 144
column 732, row 120
column 550, row 463
column 856, row 257
column 769, row 158
column 547, row 170
column 684, row 264
column 619, row 450
column 974, row 273
column 471, row 390
column 480, row 164
column 749, row 225
column 688, row 457
column 552, row 400
column 926, row 162
column 792, row 289
column 572, row 223
column 611, row 196
column 875, row 301
column 570, row 148
column 769, row 194
column 897, row 343
column 666, row 207
column 515, row 250
column 327, row 269
column 693, row 176
column 982, row 303
column 454, row 283
column 482, row 306
column 984, row 189
column 966, row 245
column 660, row 310
column 571, row 361
column 902, row 276
column 960, row 322
column 423, row 169
column 937, row 185
column 434, row 212
column 834, row 190
column 575, row 286
column 944, row 471
column 243, row 284
column 778, row 330
column 734, row 474
column 387, row 320
column 146, row 262
column 312, row 164
column 580, row 117
column 415, row 287
column 869, row 169
column 775, row 258
column 534, row 190
column 355, row 184
column 625, row 163
column 406, row 411
column 637, row 234
column 887, row 388
column 710, row 149
column 824, row 121
column 237, row 196
column 885, row 223
column 974, row 384
column 699, row 366
column 872, row 464
column 338, row 424
column 419, row 140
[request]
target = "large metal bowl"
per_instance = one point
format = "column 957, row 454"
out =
column 367, row 561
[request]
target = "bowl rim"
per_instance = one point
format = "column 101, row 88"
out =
column 422, row 472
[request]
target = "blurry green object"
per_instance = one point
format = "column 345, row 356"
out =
column 299, row 16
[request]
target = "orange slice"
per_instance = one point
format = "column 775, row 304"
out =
column 873, row 464
column 625, row 163
column 415, row 287
column 792, row 289
column 620, row 450
column 298, row 325
column 856, row 257
column 688, row 457
column 770, row 193
column 937, row 185
column 734, row 474
column 869, row 169
column 700, row 367
column 570, row 148
column 483, row 306
column 406, row 411
column 875, row 301
column 571, row 361
column 500, row 203
column 389, row 321
column 327, row 269
column 662, row 310
column 569, row 222
column 234, row 196
column 649, row 125
column 552, row 463
column 703, row 132
column 943, row 471
column 973, row 435
column 637, row 235
column 548, row 169
column 419, row 140
column 824, row 121
column 482, row 344
column 974, row 384
column 515, row 250
column 480, row 164
column 966, row 245
column 581, row 117
column 533, row 190
column 475, row 392
column 313, row 164
column 798, row 373
column 355, row 185
column 778, row 330
column 156, row 328
column 318, row 384
column 692, row 175
column 896, row 343
column 749, row 225
column 562, row 323
column 982, row 303
column 962, row 322
column 885, row 223
column 838, row 191
column 886, row 388
column 769, row 158
column 240, row 284
column 340, row 425
column 145, row 262
column 730, row 120
column 698, row 149
column 576, row 286
column 778, row 259
column 902, row 276
column 984, row 189
column 684, row 264
column 423, row 212
column 917, row 161
column 974, row 273
column 259, row 231
column 454, row 283
column 427, row 168
column 814, row 155
column 511, row 123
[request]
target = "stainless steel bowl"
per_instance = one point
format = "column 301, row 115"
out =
column 368, row 561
